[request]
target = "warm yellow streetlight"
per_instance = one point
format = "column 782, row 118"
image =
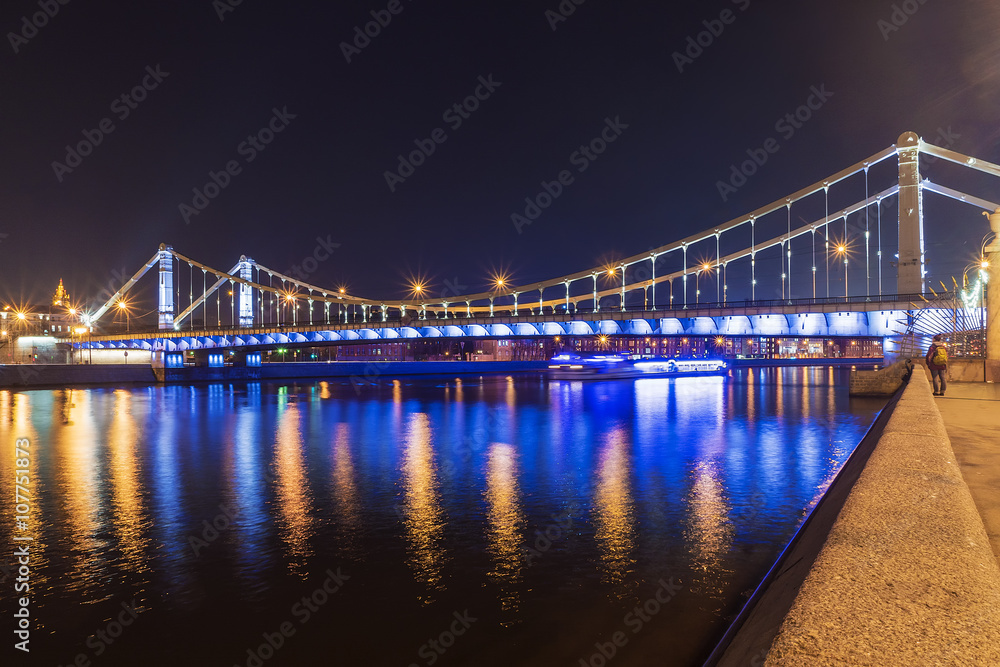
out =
column 122, row 306
column 841, row 251
column 22, row 316
column 706, row 267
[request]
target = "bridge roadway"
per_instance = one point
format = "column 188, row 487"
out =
column 854, row 316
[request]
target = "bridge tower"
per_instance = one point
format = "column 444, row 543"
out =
column 992, row 254
column 166, row 307
column 246, row 292
column 910, row 270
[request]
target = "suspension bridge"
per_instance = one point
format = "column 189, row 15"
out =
column 795, row 242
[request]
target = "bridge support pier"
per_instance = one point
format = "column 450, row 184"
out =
column 910, row 271
column 992, row 255
column 166, row 307
column 246, row 292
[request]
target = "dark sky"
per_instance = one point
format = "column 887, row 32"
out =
column 323, row 176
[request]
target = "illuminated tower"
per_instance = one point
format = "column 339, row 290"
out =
column 61, row 296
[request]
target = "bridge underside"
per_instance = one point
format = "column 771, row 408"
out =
column 707, row 322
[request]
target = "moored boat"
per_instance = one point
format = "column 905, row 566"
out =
column 611, row 366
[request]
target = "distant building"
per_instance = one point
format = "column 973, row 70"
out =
column 38, row 333
column 61, row 296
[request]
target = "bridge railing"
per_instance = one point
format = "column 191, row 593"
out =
column 528, row 314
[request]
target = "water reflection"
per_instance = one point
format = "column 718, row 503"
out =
column 614, row 516
column 345, row 493
column 422, row 513
column 33, row 493
column 294, row 500
column 78, row 482
column 506, row 525
column 684, row 478
column 130, row 519
column 249, row 483
column 167, row 503
column 709, row 533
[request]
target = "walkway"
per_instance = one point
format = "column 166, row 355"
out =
column 971, row 413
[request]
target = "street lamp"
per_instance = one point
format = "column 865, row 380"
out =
column 707, row 268
column 123, row 307
column 842, row 252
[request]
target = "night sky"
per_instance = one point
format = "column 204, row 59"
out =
column 216, row 74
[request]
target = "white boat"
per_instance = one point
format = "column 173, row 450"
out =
column 611, row 366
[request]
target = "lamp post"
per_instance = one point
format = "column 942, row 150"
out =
column 623, row 288
column 842, row 252
column 123, row 307
column 697, row 281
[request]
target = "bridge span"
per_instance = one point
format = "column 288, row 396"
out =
column 853, row 316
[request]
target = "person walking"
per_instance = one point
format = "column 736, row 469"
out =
column 937, row 363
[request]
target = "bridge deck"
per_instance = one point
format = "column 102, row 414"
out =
column 719, row 312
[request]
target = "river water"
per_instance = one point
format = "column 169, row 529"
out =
column 476, row 521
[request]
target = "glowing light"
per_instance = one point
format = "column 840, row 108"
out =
column 72, row 311
column 22, row 316
column 79, row 330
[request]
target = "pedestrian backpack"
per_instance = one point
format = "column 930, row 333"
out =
column 940, row 357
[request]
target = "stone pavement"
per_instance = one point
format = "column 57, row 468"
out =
column 971, row 413
column 906, row 575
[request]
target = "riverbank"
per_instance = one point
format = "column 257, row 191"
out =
column 905, row 574
column 42, row 375
column 61, row 375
